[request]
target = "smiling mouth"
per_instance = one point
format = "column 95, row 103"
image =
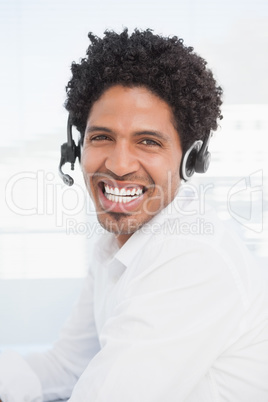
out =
column 122, row 195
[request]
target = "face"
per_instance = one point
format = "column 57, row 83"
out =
column 130, row 158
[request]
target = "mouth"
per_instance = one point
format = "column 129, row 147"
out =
column 120, row 197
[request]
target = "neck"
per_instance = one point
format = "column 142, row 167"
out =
column 122, row 239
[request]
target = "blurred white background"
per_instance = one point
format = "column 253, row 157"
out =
column 44, row 231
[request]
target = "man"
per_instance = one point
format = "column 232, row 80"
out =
column 167, row 313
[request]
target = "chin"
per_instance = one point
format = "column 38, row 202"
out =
column 120, row 224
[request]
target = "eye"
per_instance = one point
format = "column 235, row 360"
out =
column 99, row 137
column 150, row 142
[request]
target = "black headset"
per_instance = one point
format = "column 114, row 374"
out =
column 69, row 152
column 196, row 158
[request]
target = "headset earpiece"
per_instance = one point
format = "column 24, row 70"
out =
column 69, row 152
column 203, row 157
column 188, row 161
column 196, row 159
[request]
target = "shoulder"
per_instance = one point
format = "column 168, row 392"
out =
column 199, row 248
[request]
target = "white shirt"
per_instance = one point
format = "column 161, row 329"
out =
column 178, row 314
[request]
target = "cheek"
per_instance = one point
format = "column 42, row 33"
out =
column 85, row 158
column 90, row 161
column 165, row 170
column 88, row 169
column 169, row 178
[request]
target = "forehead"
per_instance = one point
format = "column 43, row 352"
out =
column 130, row 105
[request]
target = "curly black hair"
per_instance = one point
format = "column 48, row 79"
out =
column 164, row 65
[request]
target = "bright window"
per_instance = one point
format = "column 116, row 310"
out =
column 44, row 230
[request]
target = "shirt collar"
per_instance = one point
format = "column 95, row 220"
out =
column 106, row 248
column 137, row 241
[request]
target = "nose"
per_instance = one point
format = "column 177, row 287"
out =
column 122, row 160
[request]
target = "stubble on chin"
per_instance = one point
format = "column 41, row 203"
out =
column 119, row 223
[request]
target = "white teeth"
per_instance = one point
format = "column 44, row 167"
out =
column 123, row 195
column 124, row 200
column 118, row 193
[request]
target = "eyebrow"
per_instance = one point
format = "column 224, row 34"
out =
column 152, row 133
column 98, row 128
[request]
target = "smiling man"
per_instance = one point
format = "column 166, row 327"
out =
column 169, row 311
column 130, row 148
